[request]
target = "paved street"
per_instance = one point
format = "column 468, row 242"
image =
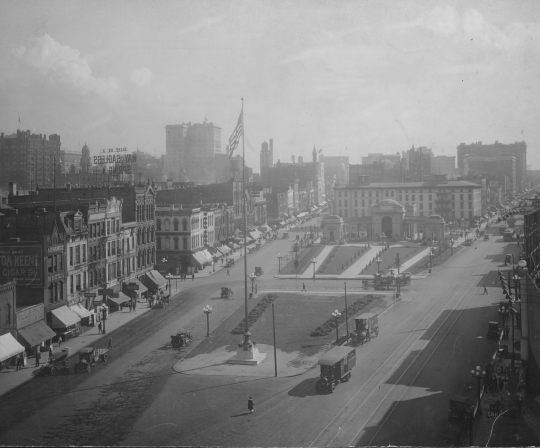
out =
column 398, row 393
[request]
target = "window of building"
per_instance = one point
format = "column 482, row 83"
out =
column 71, row 284
column 77, row 254
column 108, row 249
column 406, row 197
column 339, row 201
column 84, row 253
column 50, row 264
column 461, row 203
column 8, row 314
column 176, row 243
column 60, row 262
column 470, row 206
column 158, row 224
column 346, row 213
column 71, row 256
column 184, row 243
column 421, row 197
column 346, row 205
column 78, row 282
column 108, row 227
column 370, row 193
column 118, row 224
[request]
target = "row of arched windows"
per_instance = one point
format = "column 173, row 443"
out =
column 146, row 235
column 146, row 257
column 145, row 212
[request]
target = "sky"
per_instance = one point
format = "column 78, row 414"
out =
column 350, row 77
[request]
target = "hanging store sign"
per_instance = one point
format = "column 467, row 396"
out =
column 24, row 264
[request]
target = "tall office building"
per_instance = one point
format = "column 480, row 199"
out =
column 267, row 155
column 420, row 164
column 190, row 148
column 28, row 159
column 477, row 149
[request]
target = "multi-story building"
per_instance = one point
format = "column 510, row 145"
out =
column 336, row 172
column 419, row 163
column 183, row 234
column 477, row 149
column 444, row 165
column 267, row 155
column 453, row 200
column 70, row 160
column 9, row 347
column 190, row 148
column 290, row 173
column 500, row 169
column 76, row 231
column 28, row 159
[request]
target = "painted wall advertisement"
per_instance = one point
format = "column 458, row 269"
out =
column 24, row 264
column 115, row 161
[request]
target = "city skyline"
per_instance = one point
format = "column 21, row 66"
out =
column 358, row 79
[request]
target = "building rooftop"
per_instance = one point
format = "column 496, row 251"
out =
column 450, row 183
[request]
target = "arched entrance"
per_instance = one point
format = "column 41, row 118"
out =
column 386, row 225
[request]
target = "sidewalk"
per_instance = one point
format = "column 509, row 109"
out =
column 10, row 379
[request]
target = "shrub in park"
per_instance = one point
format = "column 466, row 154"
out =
column 255, row 313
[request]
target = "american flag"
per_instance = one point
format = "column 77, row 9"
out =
column 234, row 139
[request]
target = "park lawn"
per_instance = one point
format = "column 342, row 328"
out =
column 340, row 259
column 388, row 258
column 305, row 256
column 296, row 316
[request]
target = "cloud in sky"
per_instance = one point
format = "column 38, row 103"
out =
column 205, row 23
column 141, row 76
column 63, row 64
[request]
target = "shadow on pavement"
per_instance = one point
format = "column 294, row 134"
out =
column 304, row 389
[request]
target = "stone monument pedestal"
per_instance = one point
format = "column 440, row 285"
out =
column 247, row 354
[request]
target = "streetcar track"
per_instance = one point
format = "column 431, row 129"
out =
column 419, row 370
column 438, row 310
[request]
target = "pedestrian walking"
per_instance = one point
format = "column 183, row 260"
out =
column 110, row 344
column 228, row 273
column 50, row 351
column 506, row 331
column 192, row 276
column 38, row 357
column 485, row 291
column 130, row 307
column 303, row 286
column 250, row 405
column 99, row 327
column 19, row 361
column 60, row 340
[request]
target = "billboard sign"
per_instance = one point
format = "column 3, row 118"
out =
column 115, row 161
column 24, row 264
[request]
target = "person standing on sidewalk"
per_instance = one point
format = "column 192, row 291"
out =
column 228, row 273
column 110, row 344
column 303, row 286
column 19, row 361
column 250, row 405
column 60, row 340
column 192, row 276
column 50, row 351
column 99, row 328
column 38, row 357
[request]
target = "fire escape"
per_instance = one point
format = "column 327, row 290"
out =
column 442, row 204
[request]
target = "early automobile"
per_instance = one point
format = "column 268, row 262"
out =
column 405, row 278
column 57, row 362
column 226, row 293
column 181, row 338
column 88, row 357
column 230, row 262
column 366, row 325
column 336, row 365
column 258, row 271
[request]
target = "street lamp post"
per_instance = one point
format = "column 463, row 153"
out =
column 314, row 263
column 279, row 257
column 478, row 374
column 168, row 277
column 207, row 310
column 452, row 246
column 378, row 261
column 104, row 316
column 336, row 315
column 252, row 277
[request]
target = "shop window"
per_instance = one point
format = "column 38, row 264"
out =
column 71, row 256
column 175, row 224
column 77, row 254
column 158, row 225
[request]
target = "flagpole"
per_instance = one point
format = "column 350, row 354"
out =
column 246, row 334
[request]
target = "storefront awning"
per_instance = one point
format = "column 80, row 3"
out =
column 80, row 310
column 255, row 234
column 133, row 292
column 208, row 256
column 63, row 317
column 9, row 347
column 36, row 333
column 301, row 215
column 199, row 258
column 122, row 298
column 282, row 223
column 265, row 228
column 156, row 278
column 224, row 250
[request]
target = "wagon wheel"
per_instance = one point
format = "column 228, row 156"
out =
column 376, row 331
column 104, row 358
column 175, row 343
column 53, row 371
